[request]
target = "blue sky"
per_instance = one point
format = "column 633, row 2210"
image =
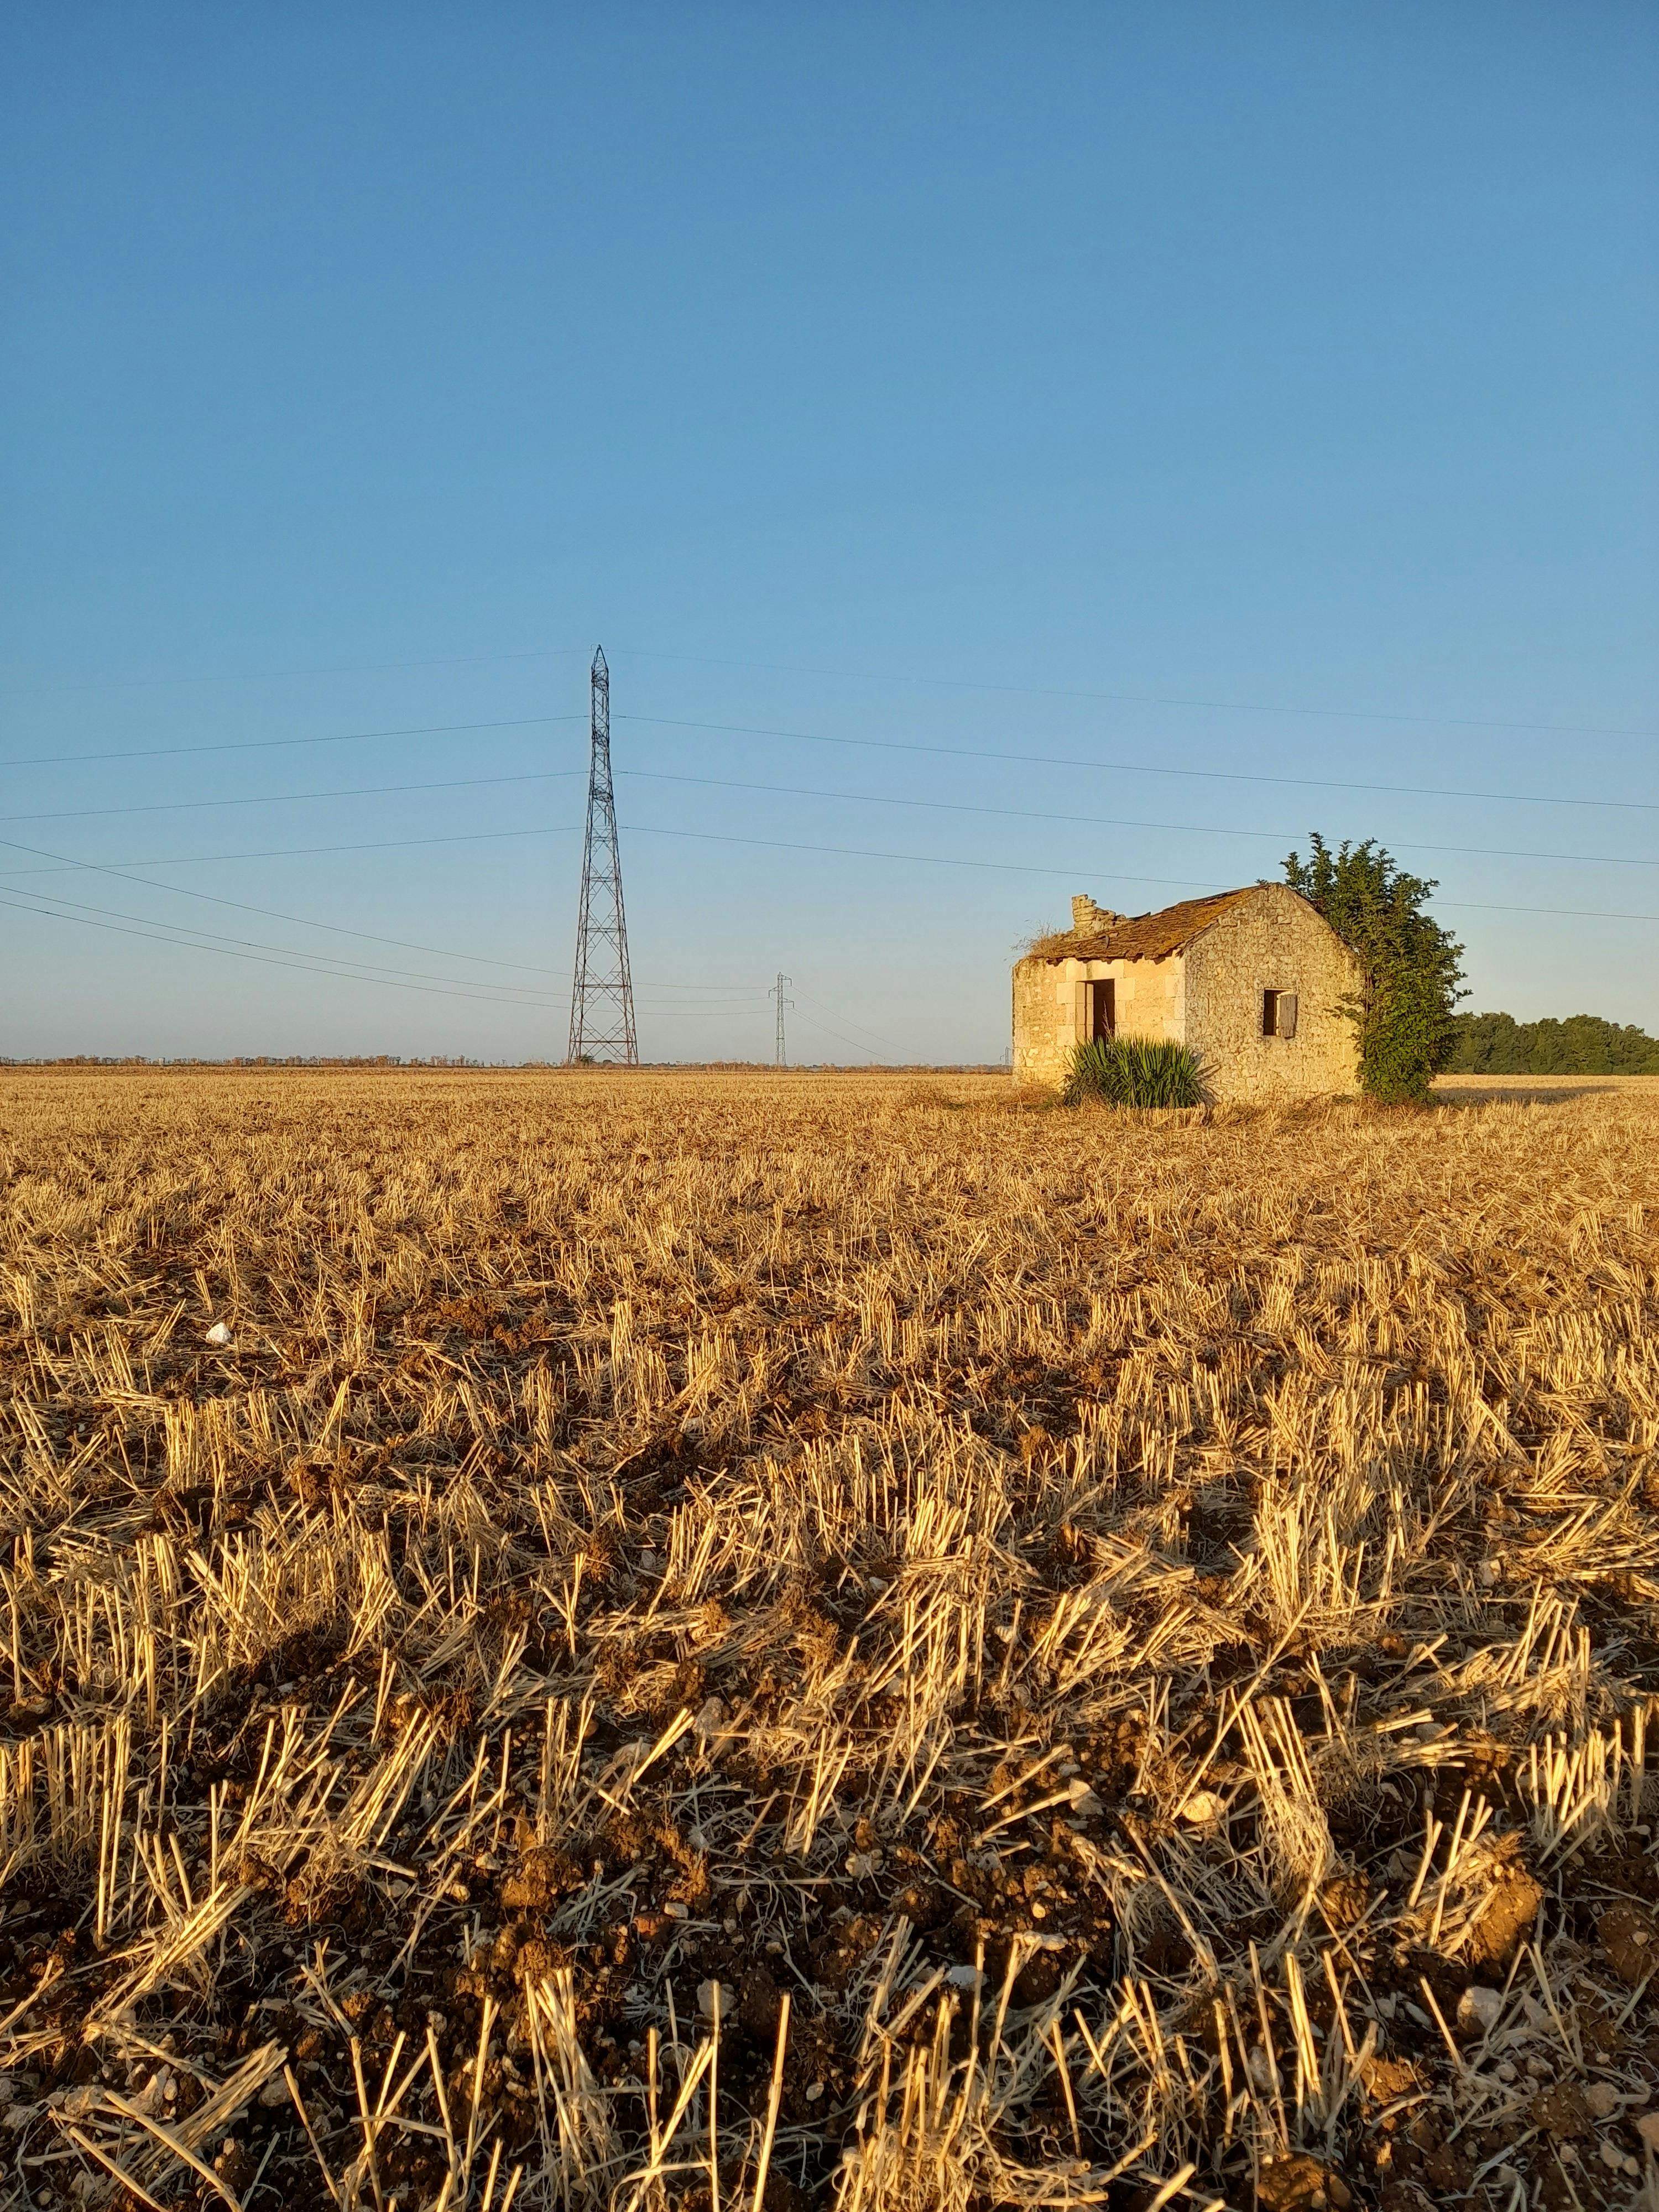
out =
column 1212, row 394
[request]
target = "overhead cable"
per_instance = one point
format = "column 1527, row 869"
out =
column 182, row 934
column 1028, row 868
column 263, row 960
column 1152, row 698
column 1114, row 821
column 316, row 851
column 287, row 797
column 870, row 798
column 273, row 744
column 857, row 676
column 885, row 1043
column 1076, row 870
column 112, row 920
column 270, row 913
column 873, row 745
column 336, row 668
column 1138, row 767
column 812, row 1022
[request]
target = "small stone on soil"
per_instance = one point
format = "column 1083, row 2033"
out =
column 1201, row 1807
column 1478, row 2008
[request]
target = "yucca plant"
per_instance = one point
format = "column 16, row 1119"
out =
column 1134, row 1071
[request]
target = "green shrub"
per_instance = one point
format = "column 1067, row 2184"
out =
column 1131, row 1071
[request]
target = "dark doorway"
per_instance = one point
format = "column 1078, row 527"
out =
column 1102, row 1011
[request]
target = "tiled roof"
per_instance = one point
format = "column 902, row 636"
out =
column 1144, row 936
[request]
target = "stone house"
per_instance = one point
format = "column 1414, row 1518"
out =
column 1250, row 981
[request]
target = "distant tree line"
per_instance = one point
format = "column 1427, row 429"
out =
column 255, row 1060
column 1583, row 1044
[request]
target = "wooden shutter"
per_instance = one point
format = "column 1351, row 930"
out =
column 1286, row 1013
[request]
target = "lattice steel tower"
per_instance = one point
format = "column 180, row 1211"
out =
column 601, row 996
column 781, row 1052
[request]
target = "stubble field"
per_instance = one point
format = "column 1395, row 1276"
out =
column 718, row 1641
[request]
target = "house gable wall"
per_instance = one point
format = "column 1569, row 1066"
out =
column 1271, row 941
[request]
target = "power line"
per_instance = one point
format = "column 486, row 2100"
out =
column 816, row 737
column 948, row 860
column 1135, row 767
column 122, row 873
column 1190, row 829
column 287, row 797
column 244, row 949
column 310, row 852
column 304, row 968
column 1116, row 821
column 1028, row 868
column 118, row 871
column 776, row 844
column 338, row 668
column 271, row 744
column 1153, row 698
column 856, row 676
column 812, row 1023
column 725, row 990
column 340, row 971
column 885, row 1043
column 182, row 934
column 270, row 913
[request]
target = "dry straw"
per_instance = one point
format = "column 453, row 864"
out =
column 734, row 1641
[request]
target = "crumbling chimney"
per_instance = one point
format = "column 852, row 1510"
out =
column 1087, row 920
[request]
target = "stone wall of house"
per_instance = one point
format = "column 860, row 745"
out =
column 1044, row 1021
column 1049, row 1016
column 1151, row 996
column 1274, row 941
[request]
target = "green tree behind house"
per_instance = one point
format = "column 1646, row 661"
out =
column 1406, row 1008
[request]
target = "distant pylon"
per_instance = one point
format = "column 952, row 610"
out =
column 601, row 996
column 781, row 1055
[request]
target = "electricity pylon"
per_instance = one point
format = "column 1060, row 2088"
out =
column 781, row 1057
column 601, row 996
